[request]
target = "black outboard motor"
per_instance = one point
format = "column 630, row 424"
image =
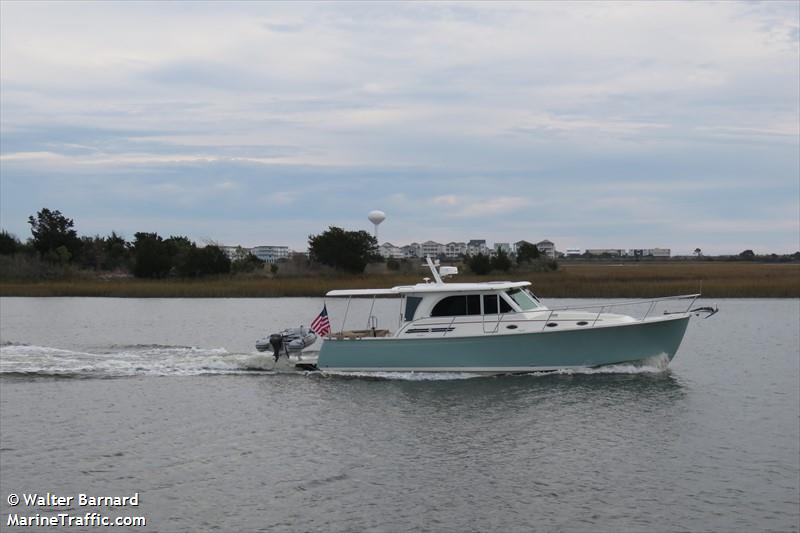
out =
column 276, row 341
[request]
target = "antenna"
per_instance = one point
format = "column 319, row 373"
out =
column 432, row 266
column 376, row 217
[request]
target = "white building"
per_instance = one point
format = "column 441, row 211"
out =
column 454, row 250
column 477, row 246
column 573, row 252
column 235, row 253
column 547, row 248
column 390, row 251
column 270, row 254
column 432, row 249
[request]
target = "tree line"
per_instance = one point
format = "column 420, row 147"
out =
column 351, row 251
column 55, row 241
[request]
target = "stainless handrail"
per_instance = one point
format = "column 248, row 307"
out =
column 369, row 318
column 631, row 302
column 602, row 308
column 503, row 317
column 449, row 327
column 600, row 312
column 652, row 304
column 547, row 320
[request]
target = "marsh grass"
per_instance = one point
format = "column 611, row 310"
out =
column 597, row 280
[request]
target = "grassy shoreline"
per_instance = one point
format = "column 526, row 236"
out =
column 627, row 280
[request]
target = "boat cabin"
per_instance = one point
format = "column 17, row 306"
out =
column 440, row 307
column 470, row 300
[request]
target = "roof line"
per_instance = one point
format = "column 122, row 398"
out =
column 432, row 288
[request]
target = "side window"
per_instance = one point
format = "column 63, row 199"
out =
column 458, row 306
column 451, row 306
column 474, row 304
column 412, row 302
column 490, row 304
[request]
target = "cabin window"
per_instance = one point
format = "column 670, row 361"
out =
column 523, row 299
column 458, row 306
column 474, row 304
column 412, row 302
column 490, row 305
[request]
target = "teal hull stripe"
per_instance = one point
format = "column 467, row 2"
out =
column 509, row 353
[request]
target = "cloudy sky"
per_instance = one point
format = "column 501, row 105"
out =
column 593, row 124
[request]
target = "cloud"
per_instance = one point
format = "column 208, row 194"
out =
column 445, row 200
column 226, row 185
column 197, row 73
column 501, row 205
column 564, row 118
column 280, row 198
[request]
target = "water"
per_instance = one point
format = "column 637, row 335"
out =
column 169, row 399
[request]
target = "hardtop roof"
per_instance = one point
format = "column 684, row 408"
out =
column 491, row 286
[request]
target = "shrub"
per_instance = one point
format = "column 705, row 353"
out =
column 480, row 264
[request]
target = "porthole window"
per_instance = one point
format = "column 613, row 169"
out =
column 552, row 324
column 582, row 323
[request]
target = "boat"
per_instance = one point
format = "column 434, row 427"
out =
column 287, row 342
column 501, row 327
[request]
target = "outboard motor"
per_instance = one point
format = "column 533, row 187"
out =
column 276, row 341
column 287, row 342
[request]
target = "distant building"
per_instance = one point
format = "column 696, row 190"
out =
column 390, row 251
column 502, row 247
column 432, row 249
column 412, row 250
column 270, row 254
column 230, row 251
column 615, row 252
column 572, row 252
column 651, row 252
column 547, row 248
column 517, row 245
column 454, row 250
column 235, row 253
column 477, row 246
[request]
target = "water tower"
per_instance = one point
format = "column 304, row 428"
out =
column 376, row 217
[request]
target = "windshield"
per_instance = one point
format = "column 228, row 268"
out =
column 524, row 299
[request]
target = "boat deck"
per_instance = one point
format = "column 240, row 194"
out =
column 361, row 333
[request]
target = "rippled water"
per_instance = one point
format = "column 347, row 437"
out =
column 168, row 398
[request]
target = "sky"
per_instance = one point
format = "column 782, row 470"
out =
column 592, row 124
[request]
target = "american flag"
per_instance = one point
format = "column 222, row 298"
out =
column 321, row 325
